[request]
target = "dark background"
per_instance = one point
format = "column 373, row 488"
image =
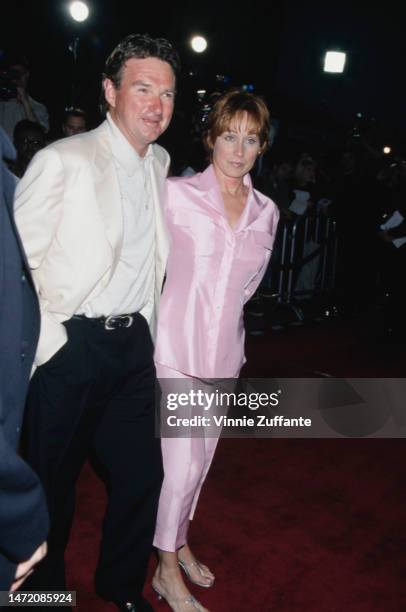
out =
column 276, row 46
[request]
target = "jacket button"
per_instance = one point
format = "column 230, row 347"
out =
column 23, row 278
column 22, row 356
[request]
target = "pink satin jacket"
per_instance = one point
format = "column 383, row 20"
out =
column 212, row 271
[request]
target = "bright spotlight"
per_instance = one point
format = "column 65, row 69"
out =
column 198, row 44
column 334, row 61
column 387, row 150
column 79, row 11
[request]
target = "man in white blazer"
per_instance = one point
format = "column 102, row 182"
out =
column 89, row 213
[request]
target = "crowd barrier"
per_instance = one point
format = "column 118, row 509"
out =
column 304, row 259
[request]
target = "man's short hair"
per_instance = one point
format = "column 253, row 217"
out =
column 73, row 112
column 139, row 46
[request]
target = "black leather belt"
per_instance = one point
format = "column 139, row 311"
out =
column 112, row 321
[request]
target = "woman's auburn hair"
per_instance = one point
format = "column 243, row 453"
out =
column 230, row 106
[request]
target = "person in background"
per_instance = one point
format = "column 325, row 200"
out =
column 222, row 232
column 392, row 257
column 23, row 512
column 29, row 138
column 21, row 105
column 74, row 122
column 276, row 180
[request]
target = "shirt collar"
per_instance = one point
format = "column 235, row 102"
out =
column 123, row 152
column 209, row 184
column 208, row 180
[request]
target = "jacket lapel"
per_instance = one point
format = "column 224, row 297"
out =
column 108, row 192
column 158, row 175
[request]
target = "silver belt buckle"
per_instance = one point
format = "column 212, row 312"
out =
column 108, row 321
column 129, row 321
column 124, row 321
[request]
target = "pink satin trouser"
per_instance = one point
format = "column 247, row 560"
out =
column 186, row 464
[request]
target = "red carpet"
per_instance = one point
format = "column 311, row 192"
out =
column 288, row 525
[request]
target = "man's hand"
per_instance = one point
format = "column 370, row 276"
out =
column 24, row 100
column 26, row 568
column 22, row 95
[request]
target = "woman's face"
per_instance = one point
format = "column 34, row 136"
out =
column 236, row 150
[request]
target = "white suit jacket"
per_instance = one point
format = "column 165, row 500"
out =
column 68, row 213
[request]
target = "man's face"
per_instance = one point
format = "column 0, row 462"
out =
column 74, row 125
column 142, row 106
column 21, row 75
column 28, row 144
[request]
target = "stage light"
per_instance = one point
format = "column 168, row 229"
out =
column 387, row 150
column 334, row 61
column 198, row 44
column 79, row 11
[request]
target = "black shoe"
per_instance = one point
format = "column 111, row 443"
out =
column 141, row 605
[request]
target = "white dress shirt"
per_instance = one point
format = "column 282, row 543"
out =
column 131, row 288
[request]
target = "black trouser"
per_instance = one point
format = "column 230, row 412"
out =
column 96, row 393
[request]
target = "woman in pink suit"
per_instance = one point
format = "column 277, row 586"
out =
column 222, row 231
